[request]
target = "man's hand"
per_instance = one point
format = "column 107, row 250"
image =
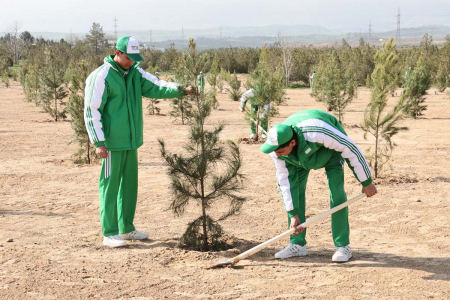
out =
column 369, row 190
column 241, row 109
column 101, row 152
column 190, row 90
column 295, row 221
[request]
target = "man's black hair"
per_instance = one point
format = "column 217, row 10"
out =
column 294, row 137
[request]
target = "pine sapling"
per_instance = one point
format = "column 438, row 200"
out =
column 268, row 91
column 194, row 174
column 378, row 122
column 416, row 86
column 5, row 79
column 75, row 107
column 234, row 92
column 335, row 86
column 53, row 84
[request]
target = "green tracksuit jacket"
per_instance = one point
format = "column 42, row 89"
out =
column 113, row 104
column 320, row 140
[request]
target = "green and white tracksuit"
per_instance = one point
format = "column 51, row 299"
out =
column 254, row 108
column 201, row 82
column 114, row 119
column 322, row 143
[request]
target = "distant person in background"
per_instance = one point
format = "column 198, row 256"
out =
column 114, row 121
column 157, row 74
column 201, row 81
column 407, row 74
column 254, row 108
column 311, row 80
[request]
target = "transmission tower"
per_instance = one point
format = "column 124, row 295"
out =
column 220, row 34
column 370, row 31
column 182, row 33
column 398, row 36
column 150, row 36
column 115, row 27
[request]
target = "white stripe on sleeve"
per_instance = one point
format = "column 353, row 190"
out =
column 318, row 131
column 282, row 174
column 156, row 81
column 244, row 97
column 95, row 87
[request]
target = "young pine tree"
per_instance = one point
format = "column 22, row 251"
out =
column 53, row 84
column 194, row 175
column 268, row 89
column 152, row 108
column 213, row 74
column 335, row 87
column 234, row 92
column 75, row 107
column 379, row 122
column 5, row 79
column 416, row 85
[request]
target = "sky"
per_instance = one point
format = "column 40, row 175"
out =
column 338, row 15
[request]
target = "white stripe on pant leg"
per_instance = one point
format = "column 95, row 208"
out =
column 109, row 163
column 106, row 166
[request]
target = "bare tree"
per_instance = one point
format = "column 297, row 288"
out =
column 14, row 42
column 287, row 50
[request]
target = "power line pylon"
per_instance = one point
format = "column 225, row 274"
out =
column 370, row 31
column 398, row 35
column 115, row 27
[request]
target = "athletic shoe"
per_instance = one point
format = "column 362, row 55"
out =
column 263, row 136
column 292, row 250
column 113, row 241
column 252, row 136
column 342, row 254
column 134, row 235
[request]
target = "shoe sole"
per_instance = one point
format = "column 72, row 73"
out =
column 342, row 261
column 130, row 239
column 118, row 246
column 301, row 255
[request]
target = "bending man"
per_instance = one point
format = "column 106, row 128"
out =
column 314, row 139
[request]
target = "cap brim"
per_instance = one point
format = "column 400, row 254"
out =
column 135, row 57
column 266, row 148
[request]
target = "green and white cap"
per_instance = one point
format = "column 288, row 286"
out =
column 130, row 47
column 277, row 136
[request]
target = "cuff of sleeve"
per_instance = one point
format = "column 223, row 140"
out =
column 367, row 182
column 100, row 143
column 292, row 213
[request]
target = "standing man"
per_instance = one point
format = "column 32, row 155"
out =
column 113, row 117
column 254, row 109
column 201, row 82
column 314, row 139
column 311, row 80
column 157, row 75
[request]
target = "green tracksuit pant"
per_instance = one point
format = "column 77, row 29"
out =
column 118, row 187
column 264, row 123
column 339, row 220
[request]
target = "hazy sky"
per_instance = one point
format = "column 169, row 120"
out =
column 78, row 16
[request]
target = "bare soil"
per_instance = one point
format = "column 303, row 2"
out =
column 49, row 213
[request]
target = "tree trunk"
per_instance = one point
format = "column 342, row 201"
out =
column 88, row 151
column 56, row 108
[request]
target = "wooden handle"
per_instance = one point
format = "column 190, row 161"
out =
column 290, row 231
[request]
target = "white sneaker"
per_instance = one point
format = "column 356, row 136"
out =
column 263, row 136
column 252, row 136
column 292, row 250
column 342, row 254
column 134, row 235
column 113, row 241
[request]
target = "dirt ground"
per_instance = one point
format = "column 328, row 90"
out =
column 49, row 208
